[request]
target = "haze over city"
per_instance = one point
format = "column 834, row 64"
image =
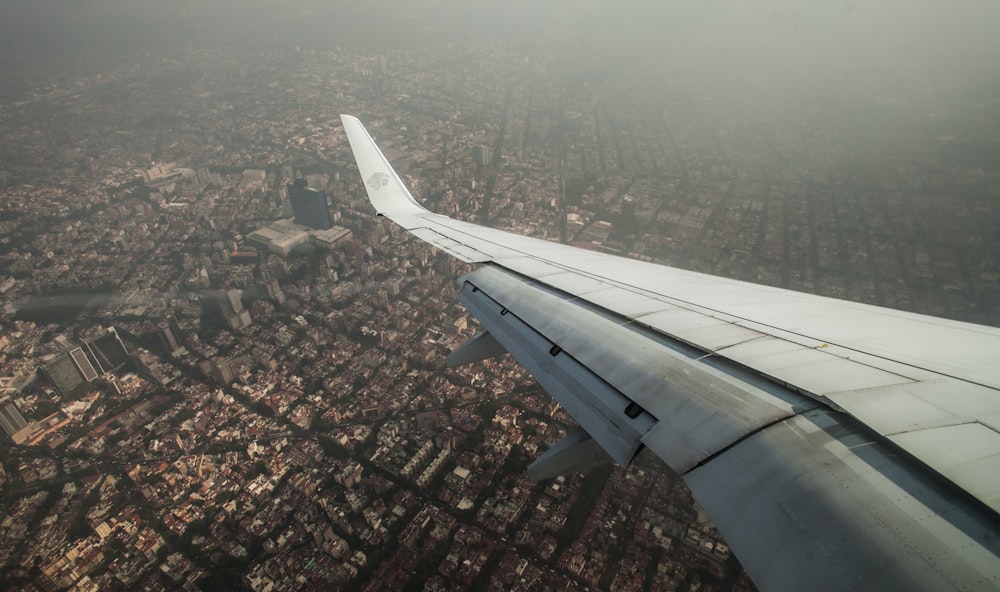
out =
column 206, row 383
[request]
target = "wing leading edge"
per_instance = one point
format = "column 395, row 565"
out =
column 809, row 428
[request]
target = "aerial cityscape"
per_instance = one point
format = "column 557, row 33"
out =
column 219, row 370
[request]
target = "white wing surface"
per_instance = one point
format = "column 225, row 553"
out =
column 836, row 445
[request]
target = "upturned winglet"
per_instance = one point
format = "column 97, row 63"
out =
column 385, row 189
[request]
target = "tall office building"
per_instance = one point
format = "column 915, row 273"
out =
column 309, row 205
column 224, row 307
column 629, row 223
column 11, row 419
column 482, row 155
column 163, row 337
column 273, row 290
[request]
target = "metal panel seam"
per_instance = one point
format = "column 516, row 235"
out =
column 749, row 434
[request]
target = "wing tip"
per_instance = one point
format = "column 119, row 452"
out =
column 386, row 191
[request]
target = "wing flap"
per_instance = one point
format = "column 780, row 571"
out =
column 967, row 453
column 698, row 409
column 814, row 503
column 595, row 405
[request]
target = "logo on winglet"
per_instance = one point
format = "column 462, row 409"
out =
column 377, row 181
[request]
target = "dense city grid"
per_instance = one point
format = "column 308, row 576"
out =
column 323, row 445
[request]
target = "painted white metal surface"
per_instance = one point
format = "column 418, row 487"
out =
column 809, row 368
column 700, row 410
column 887, row 338
column 595, row 405
column 813, row 504
column 968, row 454
column 929, row 385
column 822, row 336
column 890, row 342
column 387, row 193
column 962, row 350
column 450, row 246
column 627, row 303
column 922, row 405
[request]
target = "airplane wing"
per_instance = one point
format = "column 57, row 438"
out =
column 836, row 445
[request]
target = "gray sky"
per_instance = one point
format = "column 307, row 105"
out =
column 755, row 53
column 957, row 29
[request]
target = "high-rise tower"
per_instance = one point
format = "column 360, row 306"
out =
column 224, row 308
column 309, row 205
